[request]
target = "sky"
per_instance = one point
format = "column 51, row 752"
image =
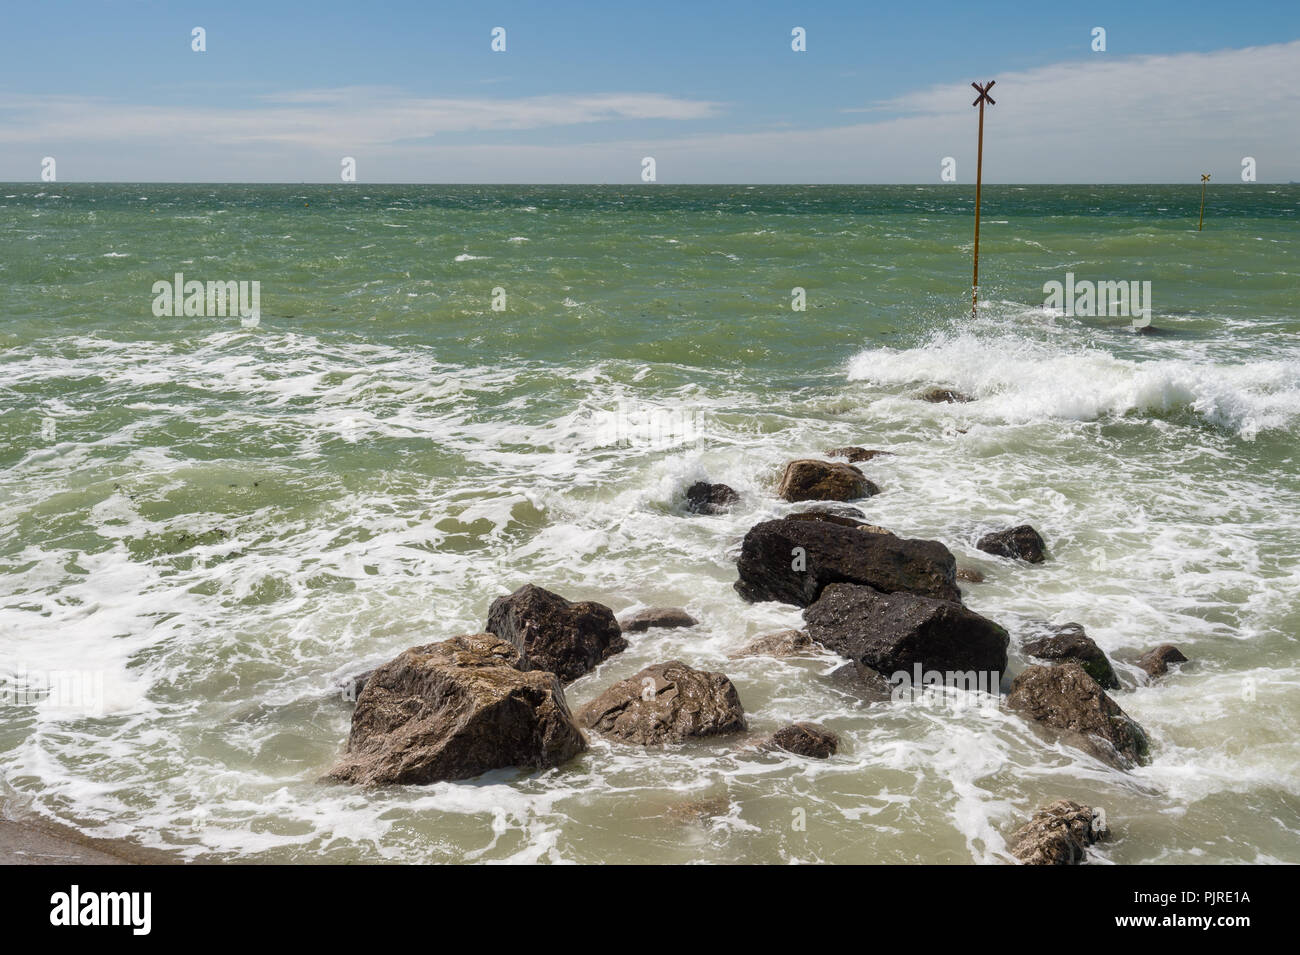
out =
column 113, row 90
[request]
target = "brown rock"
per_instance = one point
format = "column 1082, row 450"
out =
column 1021, row 543
column 1069, row 641
column 810, row 480
column 455, row 710
column 944, row 396
column 666, row 703
column 656, row 617
column 856, row 455
column 783, row 643
column 1058, row 834
column 972, row 575
column 791, row 561
column 1156, row 662
column 551, row 633
column 1066, row 698
column 805, row 739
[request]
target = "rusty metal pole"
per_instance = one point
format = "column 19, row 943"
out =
column 979, row 176
column 1205, row 177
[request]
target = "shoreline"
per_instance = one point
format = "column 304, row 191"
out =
column 41, row 842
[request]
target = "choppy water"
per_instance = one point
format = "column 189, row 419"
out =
column 383, row 454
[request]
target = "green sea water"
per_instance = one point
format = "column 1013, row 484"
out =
column 213, row 521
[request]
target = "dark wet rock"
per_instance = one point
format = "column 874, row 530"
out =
column 1021, row 543
column 705, row 498
column 830, row 517
column 1070, row 642
column 455, row 710
column 861, row 681
column 1065, row 698
column 1156, row 662
column 856, row 455
column 972, row 575
column 835, row 508
column 552, row 633
column 1058, row 834
column 656, row 617
column 893, row 632
column 792, row 560
column 944, row 396
column 805, row 739
column 810, row 480
column 666, row 703
column 782, row 643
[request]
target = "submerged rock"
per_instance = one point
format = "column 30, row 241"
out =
column 552, row 633
column 1066, row 698
column 1069, row 641
column 1023, row 543
column 1156, row 662
column 656, row 617
column 861, row 681
column 455, row 710
column 805, row 739
column 944, row 396
column 893, row 632
column 972, row 575
column 783, row 643
column 855, row 454
column 666, row 703
column 792, row 560
column 810, row 480
column 705, row 498
column 1058, row 834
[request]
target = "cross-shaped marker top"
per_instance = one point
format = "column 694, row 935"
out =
column 984, row 93
column 1205, row 177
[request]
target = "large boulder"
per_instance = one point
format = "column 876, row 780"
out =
column 1070, row 641
column 705, row 498
column 1022, row 543
column 1066, row 698
column 668, row 617
column 792, row 560
column 552, row 633
column 454, row 710
column 893, row 632
column 782, row 643
column 810, row 480
column 1058, row 834
column 1156, row 662
column 804, row 739
column 666, row 703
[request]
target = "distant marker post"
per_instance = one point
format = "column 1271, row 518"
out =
column 979, row 175
column 1205, row 177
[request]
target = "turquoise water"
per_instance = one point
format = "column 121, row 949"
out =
column 216, row 520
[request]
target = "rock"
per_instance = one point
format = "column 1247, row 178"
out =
column 351, row 687
column 791, row 561
column 862, row 681
column 551, row 633
column 1066, row 698
column 831, row 517
column 1020, row 542
column 831, row 508
column 1070, row 642
column 810, row 480
column 855, row 454
column 697, row 811
column 944, row 395
column 893, row 632
column 972, row 575
column 705, row 498
column 666, row 703
column 805, row 739
column 783, row 643
column 1156, row 662
column 455, row 710
column 1058, row 834
column 656, row 617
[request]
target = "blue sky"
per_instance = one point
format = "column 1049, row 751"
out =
column 584, row 91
